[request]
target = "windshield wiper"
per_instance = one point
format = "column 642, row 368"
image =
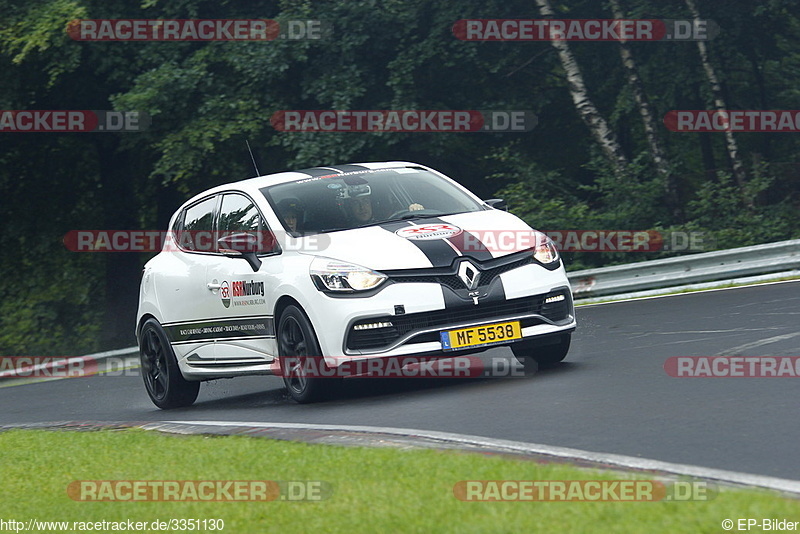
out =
column 415, row 216
column 326, row 230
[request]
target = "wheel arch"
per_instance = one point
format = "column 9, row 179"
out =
column 143, row 319
column 284, row 302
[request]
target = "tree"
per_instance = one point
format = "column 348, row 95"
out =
column 598, row 126
column 719, row 102
column 657, row 152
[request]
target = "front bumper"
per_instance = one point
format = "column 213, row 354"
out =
column 418, row 311
column 553, row 309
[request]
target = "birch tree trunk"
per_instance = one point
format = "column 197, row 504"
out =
column 719, row 103
column 649, row 121
column 597, row 125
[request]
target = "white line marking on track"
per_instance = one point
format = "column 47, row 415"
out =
column 734, row 351
column 617, row 460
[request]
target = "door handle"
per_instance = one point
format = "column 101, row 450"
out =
column 213, row 286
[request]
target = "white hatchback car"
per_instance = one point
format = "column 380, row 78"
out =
column 353, row 262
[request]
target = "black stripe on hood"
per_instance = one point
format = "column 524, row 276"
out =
column 465, row 243
column 469, row 245
column 439, row 253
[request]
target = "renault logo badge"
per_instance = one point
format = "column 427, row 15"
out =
column 469, row 274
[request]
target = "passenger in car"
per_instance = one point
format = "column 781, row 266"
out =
column 292, row 213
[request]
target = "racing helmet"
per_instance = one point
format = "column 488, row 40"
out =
column 290, row 205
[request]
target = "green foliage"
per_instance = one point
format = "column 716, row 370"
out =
column 39, row 31
column 719, row 211
column 631, row 201
column 55, row 315
column 636, row 202
column 544, row 199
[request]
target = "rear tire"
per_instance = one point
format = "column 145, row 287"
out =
column 533, row 358
column 297, row 342
column 163, row 380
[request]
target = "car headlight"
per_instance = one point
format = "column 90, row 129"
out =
column 335, row 275
column 545, row 251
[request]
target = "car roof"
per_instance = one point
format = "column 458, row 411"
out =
column 252, row 185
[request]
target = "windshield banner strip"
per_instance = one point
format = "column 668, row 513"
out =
column 322, row 171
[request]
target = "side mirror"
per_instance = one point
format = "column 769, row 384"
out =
column 497, row 203
column 246, row 246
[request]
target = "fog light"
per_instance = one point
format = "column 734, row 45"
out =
column 372, row 326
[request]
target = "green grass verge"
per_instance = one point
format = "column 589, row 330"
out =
column 375, row 489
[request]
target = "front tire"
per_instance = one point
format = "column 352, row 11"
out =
column 163, row 380
column 299, row 351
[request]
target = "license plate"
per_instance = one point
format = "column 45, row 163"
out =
column 477, row 336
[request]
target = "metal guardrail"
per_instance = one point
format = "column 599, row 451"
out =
column 688, row 269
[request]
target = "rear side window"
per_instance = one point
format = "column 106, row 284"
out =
column 198, row 226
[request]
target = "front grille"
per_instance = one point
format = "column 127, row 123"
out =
column 449, row 278
column 402, row 325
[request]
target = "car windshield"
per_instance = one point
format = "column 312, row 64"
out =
column 333, row 202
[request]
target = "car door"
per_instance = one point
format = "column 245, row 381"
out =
column 243, row 298
column 181, row 287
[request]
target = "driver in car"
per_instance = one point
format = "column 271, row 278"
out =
column 359, row 204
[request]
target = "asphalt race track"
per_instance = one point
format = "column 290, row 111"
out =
column 612, row 394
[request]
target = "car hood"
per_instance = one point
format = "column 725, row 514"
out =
column 429, row 242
